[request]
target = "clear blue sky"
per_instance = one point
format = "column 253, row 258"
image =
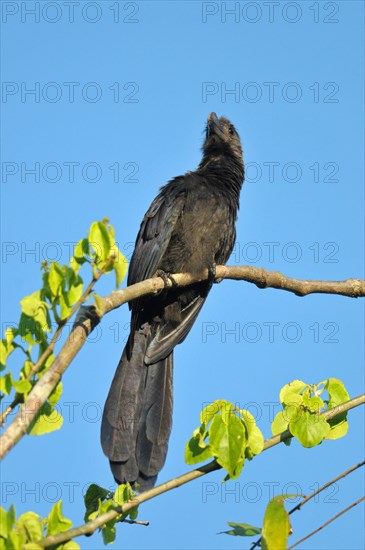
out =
column 129, row 85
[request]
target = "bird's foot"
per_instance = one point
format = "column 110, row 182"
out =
column 167, row 278
column 212, row 270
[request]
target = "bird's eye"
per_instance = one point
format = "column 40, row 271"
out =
column 231, row 131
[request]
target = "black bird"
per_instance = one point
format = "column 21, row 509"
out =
column 189, row 227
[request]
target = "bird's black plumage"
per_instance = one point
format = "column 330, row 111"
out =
column 190, row 226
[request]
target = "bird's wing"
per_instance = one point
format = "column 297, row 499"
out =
column 171, row 333
column 155, row 233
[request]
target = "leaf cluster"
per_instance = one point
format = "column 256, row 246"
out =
column 303, row 405
column 30, row 528
column 228, row 434
column 48, row 310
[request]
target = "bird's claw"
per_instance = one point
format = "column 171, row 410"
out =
column 167, row 279
column 212, row 270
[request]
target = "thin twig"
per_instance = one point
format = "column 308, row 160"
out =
column 312, row 495
column 91, row 526
column 135, row 522
column 328, row 484
column 328, row 522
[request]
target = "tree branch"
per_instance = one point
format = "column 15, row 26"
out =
column 91, row 526
column 312, row 495
column 327, row 522
column 353, row 288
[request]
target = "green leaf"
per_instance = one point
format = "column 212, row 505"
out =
column 57, row 523
column 108, row 533
column 7, row 520
column 100, row 241
column 81, row 249
column 290, row 393
column 133, row 513
column 194, row 453
column 255, row 439
column 120, row 266
column 214, row 408
column 279, row 424
column 15, row 540
column 65, row 305
column 309, row 428
column 227, row 440
column 276, row 526
column 7, row 346
column 30, row 304
column 314, row 403
column 47, row 420
column 93, row 496
column 70, row 545
column 337, row 392
column 31, row 523
column 22, row 386
column 99, row 304
column 242, row 530
column 338, row 430
column 56, row 394
column 6, row 383
column 75, row 292
column 122, row 494
column 56, row 278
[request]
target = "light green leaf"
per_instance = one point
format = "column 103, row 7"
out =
column 57, row 523
column 100, row 241
column 22, row 386
column 276, row 526
column 120, row 266
column 47, row 420
column 70, row 545
column 30, row 304
column 255, row 439
column 279, row 424
column 15, row 540
column 314, row 403
column 65, row 305
column 31, row 523
column 290, row 392
column 7, row 520
column 194, row 453
column 338, row 430
column 99, row 304
column 6, row 383
column 78, row 258
column 227, row 440
column 337, row 392
column 75, row 292
column 56, row 394
column 4, row 352
column 122, row 494
column 56, row 277
column 309, row 428
column 242, row 530
column 214, row 408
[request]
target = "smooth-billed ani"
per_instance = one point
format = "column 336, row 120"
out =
column 190, row 226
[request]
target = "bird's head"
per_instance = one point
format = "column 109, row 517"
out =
column 221, row 139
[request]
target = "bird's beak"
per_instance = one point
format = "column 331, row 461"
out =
column 214, row 126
